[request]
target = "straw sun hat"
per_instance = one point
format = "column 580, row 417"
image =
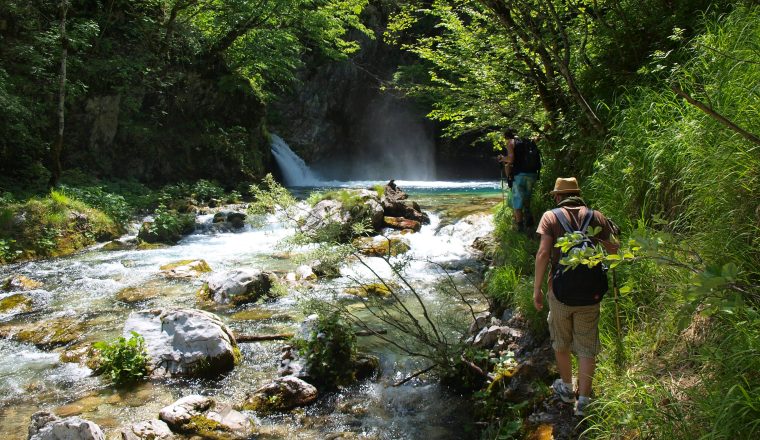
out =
column 566, row 185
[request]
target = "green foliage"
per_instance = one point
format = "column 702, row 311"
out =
column 167, row 226
column 264, row 42
column 123, row 361
column 679, row 182
column 51, row 226
column 329, row 351
column 501, row 285
column 269, row 198
column 8, row 251
column 204, row 190
column 113, row 205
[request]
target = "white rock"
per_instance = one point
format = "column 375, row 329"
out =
column 239, row 286
column 148, row 430
column 304, row 272
column 46, row 426
column 184, row 342
column 179, row 415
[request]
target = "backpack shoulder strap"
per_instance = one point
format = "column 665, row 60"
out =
column 587, row 220
column 562, row 220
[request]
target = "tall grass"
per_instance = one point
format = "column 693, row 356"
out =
column 672, row 166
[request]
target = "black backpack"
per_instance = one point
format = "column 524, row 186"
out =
column 527, row 157
column 582, row 285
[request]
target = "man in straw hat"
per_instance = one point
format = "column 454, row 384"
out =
column 572, row 328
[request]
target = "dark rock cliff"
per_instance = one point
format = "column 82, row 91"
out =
column 345, row 123
column 203, row 126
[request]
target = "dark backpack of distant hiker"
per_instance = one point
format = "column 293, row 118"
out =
column 582, row 285
column 527, row 157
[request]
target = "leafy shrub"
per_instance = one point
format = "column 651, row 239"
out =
column 205, row 190
column 8, row 251
column 114, row 205
column 329, row 351
column 52, row 226
column 167, row 226
column 123, row 361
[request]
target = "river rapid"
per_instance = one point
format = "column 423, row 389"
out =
column 83, row 289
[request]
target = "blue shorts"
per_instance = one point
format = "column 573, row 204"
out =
column 522, row 188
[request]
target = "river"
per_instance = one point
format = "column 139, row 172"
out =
column 82, row 289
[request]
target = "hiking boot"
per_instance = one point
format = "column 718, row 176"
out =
column 580, row 406
column 563, row 391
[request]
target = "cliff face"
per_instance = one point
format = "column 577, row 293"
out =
column 204, row 126
column 346, row 125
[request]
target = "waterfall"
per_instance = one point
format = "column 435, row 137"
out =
column 295, row 172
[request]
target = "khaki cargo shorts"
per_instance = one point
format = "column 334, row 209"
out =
column 574, row 328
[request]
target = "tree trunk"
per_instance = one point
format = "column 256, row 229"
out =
column 57, row 148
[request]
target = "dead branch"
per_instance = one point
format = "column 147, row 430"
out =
column 715, row 115
column 408, row 378
column 285, row 336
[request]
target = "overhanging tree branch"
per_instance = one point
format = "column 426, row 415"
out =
column 715, row 115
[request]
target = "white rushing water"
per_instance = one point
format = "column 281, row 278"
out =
column 86, row 287
column 294, row 170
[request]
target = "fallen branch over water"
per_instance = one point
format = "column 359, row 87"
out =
column 408, row 378
column 285, row 336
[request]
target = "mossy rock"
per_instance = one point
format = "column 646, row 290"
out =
column 184, row 225
column 253, row 315
column 83, row 354
column 19, row 282
column 206, row 428
column 185, row 269
column 16, row 303
column 366, row 366
column 374, row 290
column 116, row 245
column 137, row 294
column 47, row 334
column 382, row 247
column 282, row 394
column 143, row 246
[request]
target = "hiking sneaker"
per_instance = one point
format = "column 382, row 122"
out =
column 563, row 391
column 580, row 406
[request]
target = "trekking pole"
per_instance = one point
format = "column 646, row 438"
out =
column 503, row 193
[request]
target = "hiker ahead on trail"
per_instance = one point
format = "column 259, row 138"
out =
column 522, row 165
column 573, row 294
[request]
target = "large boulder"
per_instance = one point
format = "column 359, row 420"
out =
column 238, row 286
column 184, row 342
column 47, row 426
column 203, row 417
column 185, row 269
column 148, row 430
column 337, row 216
column 282, row 394
column 381, row 246
column 394, row 205
column 324, row 214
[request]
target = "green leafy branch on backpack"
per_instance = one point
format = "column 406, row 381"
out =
column 711, row 286
column 591, row 256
